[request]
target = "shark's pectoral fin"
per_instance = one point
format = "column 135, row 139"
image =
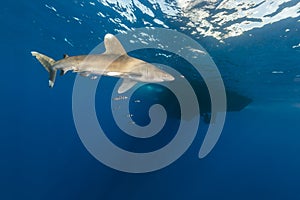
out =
column 126, row 85
column 62, row 72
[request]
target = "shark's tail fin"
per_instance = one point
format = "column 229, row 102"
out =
column 48, row 64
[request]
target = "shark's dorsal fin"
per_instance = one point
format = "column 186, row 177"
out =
column 66, row 55
column 126, row 85
column 113, row 45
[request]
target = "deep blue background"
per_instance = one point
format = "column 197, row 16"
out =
column 257, row 156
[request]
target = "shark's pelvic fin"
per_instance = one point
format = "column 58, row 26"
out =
column 85, row 74
column 126, row 85
column 48, row 63
column 113, row 45
column 62, row 72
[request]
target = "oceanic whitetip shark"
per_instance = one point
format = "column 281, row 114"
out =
column 113, row 62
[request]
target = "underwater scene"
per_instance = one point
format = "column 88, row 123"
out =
column 157, row 99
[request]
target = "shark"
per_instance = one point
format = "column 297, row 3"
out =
column 114, row 62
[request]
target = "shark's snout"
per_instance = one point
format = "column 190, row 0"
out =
column 164, row 76
column 168, row 77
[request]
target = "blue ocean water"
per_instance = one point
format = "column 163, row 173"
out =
column 257, row 54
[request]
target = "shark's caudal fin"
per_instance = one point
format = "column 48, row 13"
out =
column 48, row 65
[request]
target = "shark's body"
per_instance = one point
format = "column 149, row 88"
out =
column 113, row 62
